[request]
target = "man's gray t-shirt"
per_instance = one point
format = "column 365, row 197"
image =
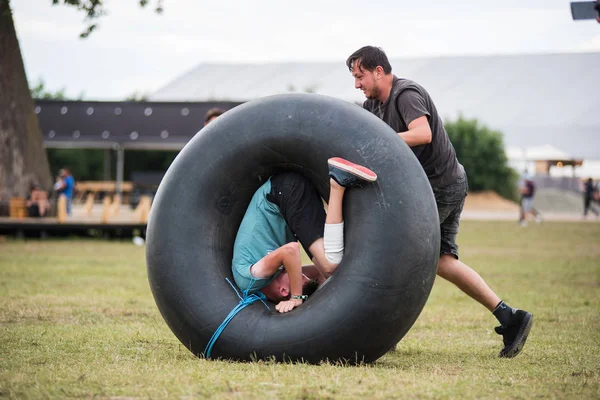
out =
column 407, row 102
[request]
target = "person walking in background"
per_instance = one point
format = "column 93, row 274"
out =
column 408, row 109
column 527, row 190
column 590, row 194
column 65, row 186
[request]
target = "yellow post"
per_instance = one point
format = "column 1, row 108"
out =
column 116, row 204
column 61, row 209
column 105, row 209
column 144, row 207
column 89, row 203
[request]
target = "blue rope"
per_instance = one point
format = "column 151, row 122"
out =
column 245, row 301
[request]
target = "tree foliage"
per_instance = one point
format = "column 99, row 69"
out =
column 88, row 164
column 137, row 96
column 481, row 151
column 95, row 9
column 39, row 91
column 84, row 164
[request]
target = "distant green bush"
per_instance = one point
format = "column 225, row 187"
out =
column 481, row 151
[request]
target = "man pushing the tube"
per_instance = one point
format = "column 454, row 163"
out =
column 406, row 107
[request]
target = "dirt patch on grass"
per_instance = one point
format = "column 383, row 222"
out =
column 489, row 201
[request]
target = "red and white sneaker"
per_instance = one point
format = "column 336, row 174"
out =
column 348, row 174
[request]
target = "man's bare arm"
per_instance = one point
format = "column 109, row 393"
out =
column 287, row 255
column 419, row 132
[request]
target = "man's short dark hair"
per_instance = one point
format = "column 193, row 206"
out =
column 369, row 57
column 310, row 287
column 213, row 113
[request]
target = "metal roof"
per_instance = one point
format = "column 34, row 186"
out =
column 533, row 99
column 128, row 125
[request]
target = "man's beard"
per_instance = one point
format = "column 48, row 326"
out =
column 374, row 93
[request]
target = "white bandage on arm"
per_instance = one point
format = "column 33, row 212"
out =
column 333, row 241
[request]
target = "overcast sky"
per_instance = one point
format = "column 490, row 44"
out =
column 136, row 50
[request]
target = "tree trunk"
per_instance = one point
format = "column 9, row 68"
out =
column 23, row 159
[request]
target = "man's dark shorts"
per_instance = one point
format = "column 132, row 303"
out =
column 450, row 201
column 300, row 205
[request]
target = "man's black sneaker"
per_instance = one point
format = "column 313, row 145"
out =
column 348, row 174
column 515, row 335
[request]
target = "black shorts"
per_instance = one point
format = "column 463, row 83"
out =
column 450, row 201
column 300, row 205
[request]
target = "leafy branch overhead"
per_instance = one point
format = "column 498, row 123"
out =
column 95, row 9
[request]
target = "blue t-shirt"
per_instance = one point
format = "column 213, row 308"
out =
column 69, row 186
column 262, row 231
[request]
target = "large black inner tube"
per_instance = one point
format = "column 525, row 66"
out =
column 391, row 233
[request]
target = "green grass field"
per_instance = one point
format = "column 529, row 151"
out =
column 77, row 319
